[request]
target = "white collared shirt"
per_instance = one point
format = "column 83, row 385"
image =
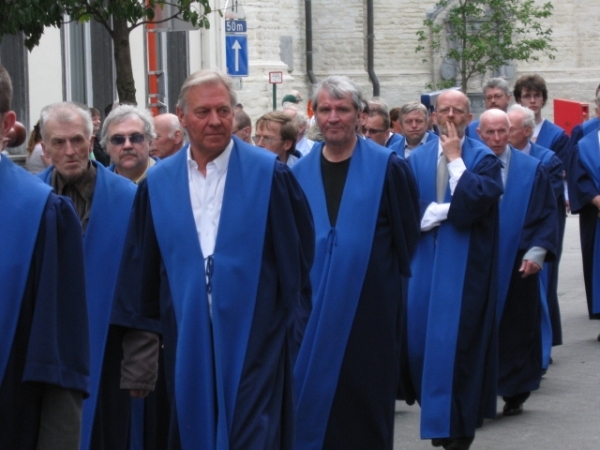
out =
column 206, row 196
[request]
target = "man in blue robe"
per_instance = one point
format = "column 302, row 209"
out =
column 584, row 193
column 217, row 258
column 452, row 293
column 364, row 202
column 522, row 123
column 103, row 203
column 413, row 118
column 44, row 359
column 496, row 95
column 588, row 126
column 377, row 126
column 528, row 237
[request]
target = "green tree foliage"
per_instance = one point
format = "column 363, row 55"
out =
column 119, row 17
column 481, row 36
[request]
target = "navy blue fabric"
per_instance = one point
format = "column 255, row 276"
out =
column 395, row 139
column 452, row 297
column 554, row 137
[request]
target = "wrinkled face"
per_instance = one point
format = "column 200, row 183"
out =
column 128, row 155
column 337, row 119
column 414, row 127
column 208, row 118
column 268, row 136
column 164, row 146
column 375, row 130
column 67, row 146
column 519, row 134
column 533, row 100
column 494, row 132
column 496, row 98
column 452, row 106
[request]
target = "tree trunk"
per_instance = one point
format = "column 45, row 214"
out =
column 125, row 82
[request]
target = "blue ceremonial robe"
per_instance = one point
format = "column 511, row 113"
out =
column 452, row 296
column 398, row 146
column 552, row 328
column 43, row 317
column 230, row 368
column 528, row 218
column 554, row 137
column 582, row 130
column 584, row 185
column 347, row 370
column 102, row 247
column 394, row 139
column 471, row 130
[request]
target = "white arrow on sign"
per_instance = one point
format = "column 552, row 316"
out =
column 237, row 47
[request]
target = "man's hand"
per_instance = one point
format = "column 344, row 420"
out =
column 596, row 202
column 529, row 268
column 451, row 143
column 138, row 393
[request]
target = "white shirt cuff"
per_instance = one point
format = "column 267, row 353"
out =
column 434, row 215
column 455, row 170
column 537, row 255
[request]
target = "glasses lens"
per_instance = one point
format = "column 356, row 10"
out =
column 117, row 139
column 135, row 138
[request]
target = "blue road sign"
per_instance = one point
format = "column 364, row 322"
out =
column 237, row 55
column 236, row 26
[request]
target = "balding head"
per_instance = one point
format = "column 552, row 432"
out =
column 494, row 130
column 169, row 136
column 522, row 121
column 452, row 106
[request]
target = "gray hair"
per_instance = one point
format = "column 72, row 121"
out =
column 174, row 124
column 377, row 107
column 123, row 112
column 301, row 118
column 66, row 112
column 411, row 107
column 499, row 83
column 202, row 77
column 528, row 115
column 339, row 86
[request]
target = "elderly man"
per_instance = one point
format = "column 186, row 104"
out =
column 496, row 95
column 44, row 361
column 364, row 202
column 522, row 123
column 219, row 250
column 528, row 238
column 452, row 294
column 170, row 136
column 103, row 201
column 377, row 125
column 413, row 119
column 277, row 133
column 127, row 135
column 584, row 194
column 303, row 144
column 242, row 126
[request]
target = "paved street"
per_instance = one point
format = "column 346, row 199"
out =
column 565, row 413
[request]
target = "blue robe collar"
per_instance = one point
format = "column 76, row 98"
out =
column 211, row 353
column 22, row 203
column 342, row 253
column 548, row 134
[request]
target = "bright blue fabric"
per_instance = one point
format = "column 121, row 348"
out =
column 210, row 353
column 341, row 260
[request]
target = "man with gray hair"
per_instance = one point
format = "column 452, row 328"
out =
column 170, row 137
column 303, row 144
column 364, row 202
column 377, row 126
column 127, row 136
column 103, row 202
column 413, row 118
column 522, row 122
column 496, row 94
column 217, row 257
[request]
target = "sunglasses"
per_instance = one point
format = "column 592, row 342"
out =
column 119, row 139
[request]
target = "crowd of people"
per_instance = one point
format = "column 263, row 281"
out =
column 169, row 285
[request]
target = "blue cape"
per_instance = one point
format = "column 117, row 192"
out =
column 341, row 260
column 102, row 248
column 513, row 209
column 589, row 152
column 22, row 202
column 210, row 353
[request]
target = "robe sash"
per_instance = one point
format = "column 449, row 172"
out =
column 22, row 202
column 341, row 259
column 210, row 353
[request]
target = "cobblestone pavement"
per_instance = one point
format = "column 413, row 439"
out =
column 565, row 412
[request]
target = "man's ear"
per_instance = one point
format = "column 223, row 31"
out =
column 8, row 121
column 288, row 144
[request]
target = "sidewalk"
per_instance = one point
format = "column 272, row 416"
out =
column 565, row 413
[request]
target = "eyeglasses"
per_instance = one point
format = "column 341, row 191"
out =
column 373, row 131
column 265, row 139
column 489, row 98
column 446, row 110
column 119, row 139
